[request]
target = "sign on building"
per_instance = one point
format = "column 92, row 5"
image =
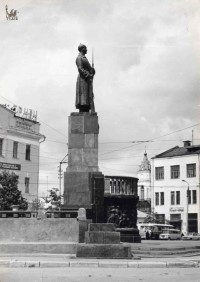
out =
column 177, row 209
column 10, row 166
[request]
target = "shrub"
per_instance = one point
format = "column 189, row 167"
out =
column 9, row 192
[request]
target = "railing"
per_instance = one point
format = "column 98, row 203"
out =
column 121, row 185
column 17, row 214
column 36, row 214
column 62, row 214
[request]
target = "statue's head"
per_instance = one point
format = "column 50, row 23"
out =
column 81, row 47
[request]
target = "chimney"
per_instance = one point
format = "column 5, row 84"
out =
column 187, row 143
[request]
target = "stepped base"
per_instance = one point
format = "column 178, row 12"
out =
column 103, row 251
column 101, row 237
column 102, row 233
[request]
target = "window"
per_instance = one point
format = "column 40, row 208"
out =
column 178, row 197
column 175, row 171
column 1, row 147
column 27, row 184
column 191, row 170
column 175, row 198
column 194, row 196
column 162, row 202
column 172, row 198
column 159, row 173
column 15, row 149
column 142, row 192
column 157, row 198
column 28, row 152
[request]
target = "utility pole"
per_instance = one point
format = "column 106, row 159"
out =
column 60, row 171
column 192, row 137
column 60, row 176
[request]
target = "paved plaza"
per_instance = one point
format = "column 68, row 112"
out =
column 177, row 259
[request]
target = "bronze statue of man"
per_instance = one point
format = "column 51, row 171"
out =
column 84, row 84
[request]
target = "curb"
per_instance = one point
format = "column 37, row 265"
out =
column 97, row 264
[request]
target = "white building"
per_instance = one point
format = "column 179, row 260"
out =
column 175, row 172
column 19, row 148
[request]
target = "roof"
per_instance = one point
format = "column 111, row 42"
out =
column 179, row 151
column 145, row 165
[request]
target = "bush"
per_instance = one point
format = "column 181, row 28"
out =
column 9, row 193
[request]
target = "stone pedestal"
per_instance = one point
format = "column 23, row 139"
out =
column 101, row 251
column 102, row 241
column 102, row 233
column 83, row 182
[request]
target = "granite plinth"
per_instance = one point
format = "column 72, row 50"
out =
column 103, row 251
column 83, row 183
column 102, row 237
column 83, row 142
column 80, row 140
column 83, row 123
column 101, row 227
column 102, row 233
column 83, row 159
column 83, row 190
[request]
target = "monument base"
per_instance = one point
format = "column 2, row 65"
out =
column 102, row 233
column 83, row 182
column 109, row 251
column 102, row 241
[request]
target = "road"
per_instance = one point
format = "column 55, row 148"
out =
column 98, row 275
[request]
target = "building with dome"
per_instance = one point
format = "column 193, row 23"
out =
column 144, row 185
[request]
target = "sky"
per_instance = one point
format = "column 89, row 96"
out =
column 147, row 82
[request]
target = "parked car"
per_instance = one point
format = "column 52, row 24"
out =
column 170, row 234
column 191, row 236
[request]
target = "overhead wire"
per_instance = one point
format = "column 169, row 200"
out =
column 141, row 142
column 116, row 150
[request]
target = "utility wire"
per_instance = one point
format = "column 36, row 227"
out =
column 150, row 140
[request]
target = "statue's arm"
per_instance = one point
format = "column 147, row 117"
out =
column 84, row 73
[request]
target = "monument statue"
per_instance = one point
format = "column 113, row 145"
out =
column 84, row 84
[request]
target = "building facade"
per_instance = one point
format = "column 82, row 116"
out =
column 175, row 187
column 19, row 148
column 144, row 185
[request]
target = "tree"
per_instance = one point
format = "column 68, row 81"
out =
column 54, row 197
column 9, row 193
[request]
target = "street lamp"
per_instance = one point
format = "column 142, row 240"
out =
column 187, row 223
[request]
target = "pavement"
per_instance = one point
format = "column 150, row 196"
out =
column 45, row 260
column 52, row 260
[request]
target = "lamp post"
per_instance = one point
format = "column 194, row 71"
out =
column 188, row 189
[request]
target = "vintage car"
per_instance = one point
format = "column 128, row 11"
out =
column 170, row 234
column 191, row 236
